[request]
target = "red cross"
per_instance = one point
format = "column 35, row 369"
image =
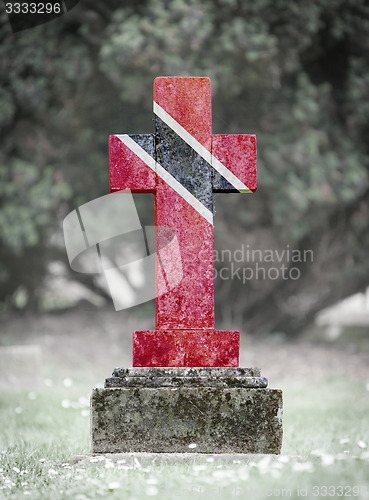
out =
column 183, row 163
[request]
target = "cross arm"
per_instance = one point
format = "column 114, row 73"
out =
column 132, row 164
column 237, row 152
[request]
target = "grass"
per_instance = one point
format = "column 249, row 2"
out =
column 325, row 451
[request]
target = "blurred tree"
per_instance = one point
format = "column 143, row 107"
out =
column 296, row 74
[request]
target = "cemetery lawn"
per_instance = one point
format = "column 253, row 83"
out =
column 325, row 452
column 326, row 424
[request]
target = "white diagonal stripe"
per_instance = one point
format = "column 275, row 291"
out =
column 140, row 152
column 200, row 149
column 167, row 177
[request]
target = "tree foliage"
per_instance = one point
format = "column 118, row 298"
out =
column 294, row 73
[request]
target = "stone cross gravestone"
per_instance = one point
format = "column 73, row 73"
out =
column 185, row 386
column 183, row 164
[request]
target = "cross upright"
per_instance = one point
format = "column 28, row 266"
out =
column 183, row 164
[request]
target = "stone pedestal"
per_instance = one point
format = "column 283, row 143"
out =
column 169, row 410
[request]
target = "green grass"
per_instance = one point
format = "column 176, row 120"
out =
column 325, row 430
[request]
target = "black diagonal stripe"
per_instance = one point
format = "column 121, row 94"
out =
column 146, row 142
column 184, row 164
column 220, row 184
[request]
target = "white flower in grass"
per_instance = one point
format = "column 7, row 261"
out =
column 303, row 467
column 264, row 464
column 192, row 446
column 327, row 460
column 67, row 382
column 199, row 467
column 94, row 459
column 318, row 453
column 152, row 491
column 361, row 444
column 210, row 459
column 84, row 402
column 275, row 473
column 114, row 485
column 85, row 413
column 243, row 474
column 52, row 472
column 109, row 465
column 152, row 480
column 65, row 403
column 18, row 410
column 277, row 465
column 26, row 492
column 219, row 474
column 344, row 440
column 42, row 460
column 124, row 467
column 121, row 461
column 8, row 482
column 15, row 469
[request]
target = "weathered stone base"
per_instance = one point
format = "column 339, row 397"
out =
column 216, row 416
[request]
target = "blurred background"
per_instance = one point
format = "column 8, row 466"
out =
column 296, row 74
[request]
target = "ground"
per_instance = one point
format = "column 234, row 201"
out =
column 42, row 427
